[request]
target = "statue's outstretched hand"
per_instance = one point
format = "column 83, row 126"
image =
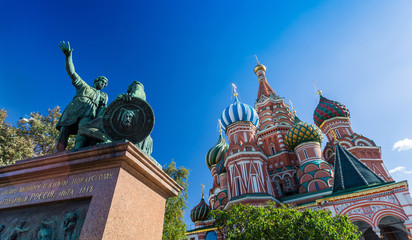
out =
column 66, row 48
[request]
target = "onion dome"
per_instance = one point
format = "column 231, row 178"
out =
column 327, row 109
column 302, row 132
column 220, row 167
column 216, row 153
column 200, row 212
column 259, row 67
column 238, row 111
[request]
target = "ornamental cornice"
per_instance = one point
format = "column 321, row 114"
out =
column 311, row 143
column 259, row 103
column 334, row 118
column 267, row 131
column 365, row 147
column 240, row 125
column 375, row 192
column 240, row 155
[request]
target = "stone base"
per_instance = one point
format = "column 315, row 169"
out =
column 110, row 191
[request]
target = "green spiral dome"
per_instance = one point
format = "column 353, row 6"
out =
column 302, row 132
column 216, row 153
column 200, row 212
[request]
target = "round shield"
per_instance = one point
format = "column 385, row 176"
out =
column 132, row 120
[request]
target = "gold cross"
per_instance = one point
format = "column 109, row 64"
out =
column 317, row 89
column 234, row 90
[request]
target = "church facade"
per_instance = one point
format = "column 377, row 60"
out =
column 271, row 155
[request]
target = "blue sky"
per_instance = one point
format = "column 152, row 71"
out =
column 187, row 54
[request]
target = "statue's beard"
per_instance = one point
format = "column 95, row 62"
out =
column 127, row 123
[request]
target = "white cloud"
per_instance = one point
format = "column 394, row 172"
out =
column 403, row 145
column 400, row 169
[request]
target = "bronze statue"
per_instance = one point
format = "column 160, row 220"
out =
column 128, row 117
column 88, row 103
column 135, row 89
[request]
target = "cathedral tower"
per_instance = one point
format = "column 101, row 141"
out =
column 332, row 118
column 313, row 172
column 247, row 175
column 275, row 120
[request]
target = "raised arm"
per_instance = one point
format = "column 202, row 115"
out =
column 69, row 61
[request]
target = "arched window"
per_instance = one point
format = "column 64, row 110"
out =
column 278, row 184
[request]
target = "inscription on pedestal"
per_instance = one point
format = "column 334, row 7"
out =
column 52, row 189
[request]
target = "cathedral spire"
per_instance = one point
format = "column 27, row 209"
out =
column 264, row 87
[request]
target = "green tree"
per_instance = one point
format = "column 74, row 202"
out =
column 33, row 138
column 41, row 130
column 280, row 222
column 174, row 227
column 13, row 146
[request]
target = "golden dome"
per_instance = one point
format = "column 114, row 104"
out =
column 260, row 67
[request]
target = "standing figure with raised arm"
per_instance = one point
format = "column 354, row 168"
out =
column 88, row 103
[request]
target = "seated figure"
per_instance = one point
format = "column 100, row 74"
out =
column 126, row 119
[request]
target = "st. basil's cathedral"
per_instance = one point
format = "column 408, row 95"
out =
column 271, row 155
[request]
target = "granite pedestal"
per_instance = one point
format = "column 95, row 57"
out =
column 110, row 191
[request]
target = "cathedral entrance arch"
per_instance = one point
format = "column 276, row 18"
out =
column 390, row 228
column 393, row 228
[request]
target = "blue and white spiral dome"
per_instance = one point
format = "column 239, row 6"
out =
column 238, row 111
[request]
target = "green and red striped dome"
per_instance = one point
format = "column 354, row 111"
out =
column 200, row 212
column 327, row 109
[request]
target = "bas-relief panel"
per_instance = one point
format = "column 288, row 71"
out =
column 55, row 221
column 389, row 198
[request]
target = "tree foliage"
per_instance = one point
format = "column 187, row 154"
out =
column 13, row 146
column 32, row 139
column 174, row 227
column 280, row 222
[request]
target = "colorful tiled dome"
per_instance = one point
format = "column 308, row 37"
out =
column 239, row 112
column 200, row 212
column 220, row 167
column 327, row 109
column 216, row 153
column 302, row 132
